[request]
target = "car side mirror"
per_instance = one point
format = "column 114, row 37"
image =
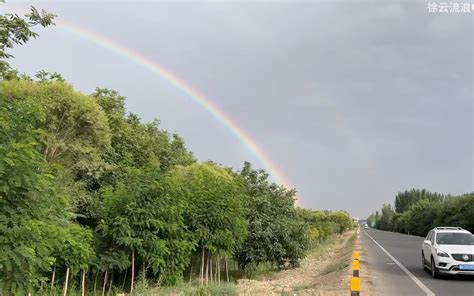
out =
column 427, row 241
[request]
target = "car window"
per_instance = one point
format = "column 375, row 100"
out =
column 453, row 238
column 428, row 237
column 432, row 238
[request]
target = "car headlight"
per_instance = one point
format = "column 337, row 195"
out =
column 441, row 253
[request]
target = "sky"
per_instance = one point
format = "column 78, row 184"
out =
column 353, row 100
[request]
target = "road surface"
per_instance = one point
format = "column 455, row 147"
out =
column 400, row 272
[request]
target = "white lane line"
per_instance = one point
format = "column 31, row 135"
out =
column 425, row 289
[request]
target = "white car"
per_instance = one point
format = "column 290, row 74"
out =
column 448, row 250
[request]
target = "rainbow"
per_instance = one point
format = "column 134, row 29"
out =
column 185, row 87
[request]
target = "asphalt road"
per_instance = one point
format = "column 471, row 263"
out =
column 390, row 278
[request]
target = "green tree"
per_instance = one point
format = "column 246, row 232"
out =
column 327, row 223
column 17, row 31
column 215, row 209
column 75, row 135
column 136, row 144
column 342, row 220
column 371, row 220
column 33, row 206
column 74, row 250
column 275, row 233
column 420, row 218
column 457, row 211
column 385, row 221
column 418, row 211
column 404, row 200
column 144, row 219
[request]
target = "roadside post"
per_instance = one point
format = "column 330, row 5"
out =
column 355, row 279
column 355, row 286
column 355, row 264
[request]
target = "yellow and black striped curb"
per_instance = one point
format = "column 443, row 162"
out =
column 355, row 279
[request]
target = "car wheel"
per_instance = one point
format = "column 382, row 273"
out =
column 423, row 262
column 434, row 272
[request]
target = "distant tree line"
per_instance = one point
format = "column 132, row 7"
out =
column 417, row 211
column 94, row 200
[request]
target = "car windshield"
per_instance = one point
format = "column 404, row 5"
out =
column 452, row 238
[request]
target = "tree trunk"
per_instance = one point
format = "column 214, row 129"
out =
column 191, row 272
column 218, row 268
column 124, row 279
column 207, row 267
column 105, row 283
column 52, row 278
column 210, row 267
column 111, row 281
column 83, row 283
column 95, row 282
column 215, row 271
column 133, row 271
column 226, row 269
column 66, row 281
column 202, row 267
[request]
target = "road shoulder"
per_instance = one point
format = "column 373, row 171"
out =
column 366, row 283
column 322, row 272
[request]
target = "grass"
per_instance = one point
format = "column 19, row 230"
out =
column 303, row 287
column 344, row 261
column 303, row 290
column 323, row 248
column 351, row 241
column 338, row 266
column 258, row 271
column 186, row 289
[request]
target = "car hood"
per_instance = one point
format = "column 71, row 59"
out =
column 457, row 249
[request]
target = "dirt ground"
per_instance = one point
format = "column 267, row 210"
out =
column 325, row 271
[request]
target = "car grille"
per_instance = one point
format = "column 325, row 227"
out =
column 459, row 257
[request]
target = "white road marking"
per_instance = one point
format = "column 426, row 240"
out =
column 425, row 289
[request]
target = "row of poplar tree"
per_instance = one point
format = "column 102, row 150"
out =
column 417, row 211
column 92, row 198
column 91, row 194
